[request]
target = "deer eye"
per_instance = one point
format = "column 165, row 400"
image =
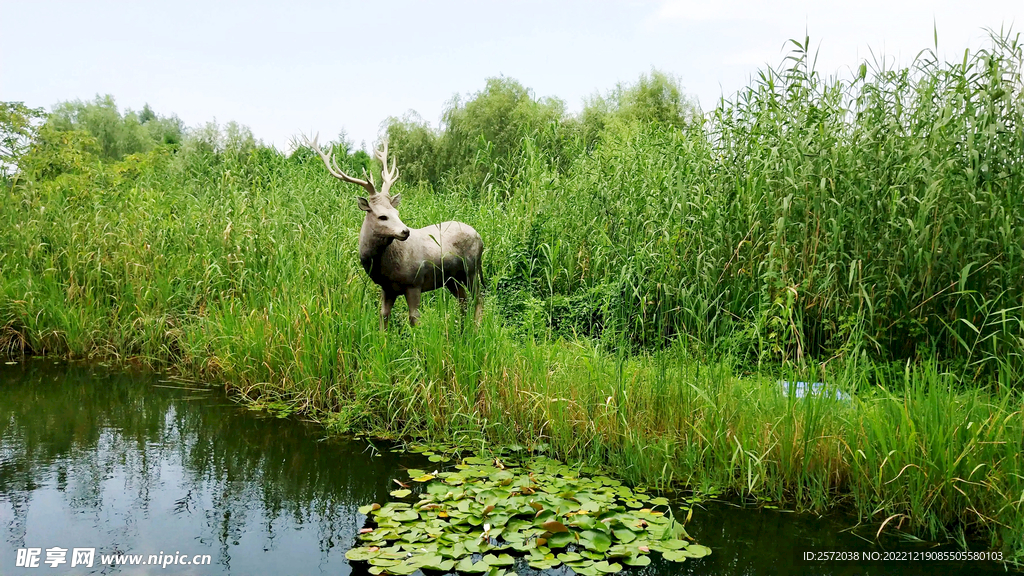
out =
column 382, row 218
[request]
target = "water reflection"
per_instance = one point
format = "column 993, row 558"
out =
column 125, row 463
column 128, row 463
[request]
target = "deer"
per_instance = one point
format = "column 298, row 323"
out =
column 407, row 261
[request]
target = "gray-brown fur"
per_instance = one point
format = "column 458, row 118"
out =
column 407, row 262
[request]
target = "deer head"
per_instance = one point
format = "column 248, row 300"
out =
column 380, row 207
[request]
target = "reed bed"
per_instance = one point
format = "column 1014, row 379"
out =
column 650, row 282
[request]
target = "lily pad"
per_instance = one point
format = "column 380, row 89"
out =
column 406, row 516
column 561, row 540
column 675, row 555
column 596, row 541
column 469, row 517
column 499, row 560
column 637, row 561
column 403, row 569
column 545, row 564
column 362, row 554
column 608, row 568
column 624, row 535
column 569, row 557
column 674, row 544
column 696, row 551
column 554, row 527
column 467, row 565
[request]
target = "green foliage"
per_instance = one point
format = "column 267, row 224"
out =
column 657, row 98
column 116, row 135
column 805, row 218
column 18, row 127
column 482, row 139
column 60, row 152
column 488, row 139
column 414, row 145
column 811, row 225
column 486, row 131
column 536, row 507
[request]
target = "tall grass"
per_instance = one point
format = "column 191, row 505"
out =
column 650, row 282
column 807, row 217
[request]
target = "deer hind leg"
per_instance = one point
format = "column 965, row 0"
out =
column 478, row 315
column 458, row 289
column 476, row 292
column 385, row 308
column 466, row 294
column 412, row 298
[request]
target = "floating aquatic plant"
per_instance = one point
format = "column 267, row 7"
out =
column 474, row 518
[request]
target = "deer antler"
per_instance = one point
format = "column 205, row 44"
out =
column 332, row 167
column 388, row 177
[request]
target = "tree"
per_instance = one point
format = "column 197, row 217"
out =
column 413, row 143
column 657, row 97
column 484, row 134
column 18, row 126
column 117, row 135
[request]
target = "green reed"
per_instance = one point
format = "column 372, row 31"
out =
column 646, row 291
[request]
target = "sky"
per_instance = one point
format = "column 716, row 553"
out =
column 285, row 68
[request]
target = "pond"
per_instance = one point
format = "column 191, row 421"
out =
column 183, row 480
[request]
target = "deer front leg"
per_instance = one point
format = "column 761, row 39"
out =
column 385, row 308
column 412, row 298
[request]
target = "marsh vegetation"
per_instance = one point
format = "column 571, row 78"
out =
column 653, row 272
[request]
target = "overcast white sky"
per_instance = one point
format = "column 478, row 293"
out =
column 286, row 67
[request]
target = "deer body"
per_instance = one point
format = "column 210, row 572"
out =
column 407, row 262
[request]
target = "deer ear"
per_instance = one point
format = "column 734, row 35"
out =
column 395, row 200
column 364, row 205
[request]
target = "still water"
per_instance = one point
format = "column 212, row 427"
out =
column 142, row 464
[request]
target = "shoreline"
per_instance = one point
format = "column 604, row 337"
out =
column 748, row 463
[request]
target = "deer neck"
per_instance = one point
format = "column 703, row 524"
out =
column 374, row 251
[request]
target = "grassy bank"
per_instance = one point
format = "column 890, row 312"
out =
column 653, row 272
